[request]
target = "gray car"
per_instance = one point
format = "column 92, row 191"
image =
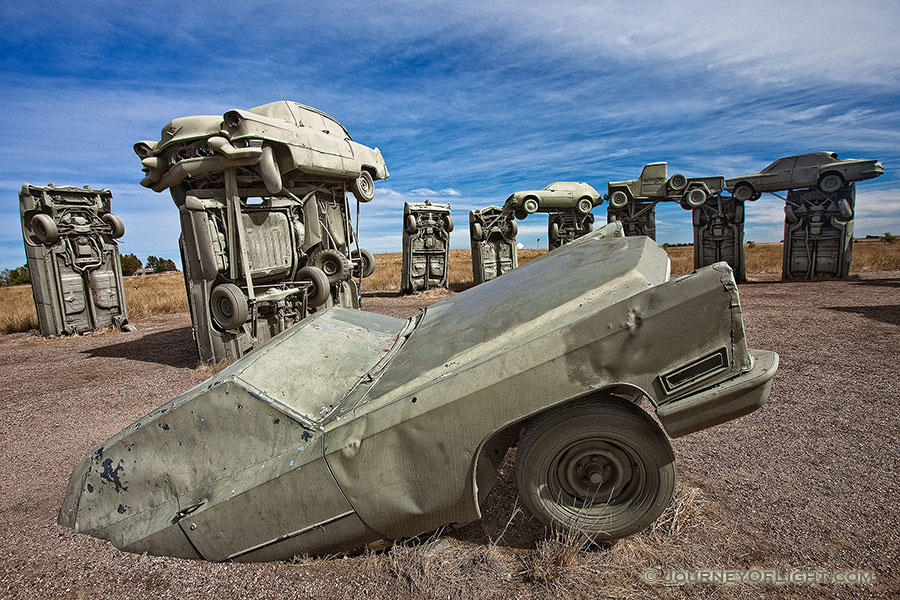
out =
column 353, row 426
column 820, row 169
column 559, row 195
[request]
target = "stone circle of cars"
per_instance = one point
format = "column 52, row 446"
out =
column 349, row 426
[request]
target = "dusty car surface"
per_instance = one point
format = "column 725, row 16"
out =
column 281, row 139
column 353, row 426
column 655, row 183
column 821, row 169
column 558, row 195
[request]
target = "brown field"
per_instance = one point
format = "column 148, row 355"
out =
column 164, row 293
column 807, row 483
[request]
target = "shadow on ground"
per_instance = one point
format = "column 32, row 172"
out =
column 173, row 347
column 888, row 313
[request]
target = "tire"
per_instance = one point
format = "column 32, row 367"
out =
column 677, row 182
column 743, row 192
column 599, row 466
column 410, row 224
column 334, row 264
column 530, row 205
column 844, row 208
column 695, row 198
column 511, row 230
column 554, row 231
column 618, row 199
column 366, row 263
column 228, row 306
column 477, row 232
column 118, row 227
column 789, row 215
column 831, row 182
column 44, row 229
column 448, row 223
column 520, row 214
column 697, row 217
column 585, row 205
column 738, row 213
column 363, row 187
column 320, row 291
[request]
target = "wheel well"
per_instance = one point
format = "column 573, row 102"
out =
column 493, row 449
column 831, row 172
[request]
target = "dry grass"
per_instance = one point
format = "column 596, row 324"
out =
column 567, row 562
column 164, row 293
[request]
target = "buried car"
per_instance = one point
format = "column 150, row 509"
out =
column 352, row 427
column 820, row 169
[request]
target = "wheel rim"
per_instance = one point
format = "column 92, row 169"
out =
column 743, row 192
column 364, row 186
column 595, row 474
column 831, row 183
column 225, row 310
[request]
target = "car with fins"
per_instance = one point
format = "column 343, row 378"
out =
column 353, row 427
column 282, row 141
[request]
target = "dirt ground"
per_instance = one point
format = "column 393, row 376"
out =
column 808, row 482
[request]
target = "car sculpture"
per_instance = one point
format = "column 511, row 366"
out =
column 353, row 427
column 820, row 169
column 559, row 195
column 279, row 139
column 655, row 184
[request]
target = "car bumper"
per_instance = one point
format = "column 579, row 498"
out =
column 728, row 400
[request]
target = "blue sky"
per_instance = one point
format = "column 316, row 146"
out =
column 467, row 102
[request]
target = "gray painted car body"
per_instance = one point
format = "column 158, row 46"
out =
column 353, row 426
column 806, row 170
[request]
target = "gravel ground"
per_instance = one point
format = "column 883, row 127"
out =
column 807, row 482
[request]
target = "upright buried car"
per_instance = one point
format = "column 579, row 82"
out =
column 820, row 169
column 266, row 235
column 354, row 426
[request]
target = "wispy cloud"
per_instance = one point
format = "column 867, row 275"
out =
column 468, row 101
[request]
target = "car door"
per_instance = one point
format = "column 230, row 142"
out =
column 778, row 175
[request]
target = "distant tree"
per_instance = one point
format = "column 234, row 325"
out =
column 751, row 244
column 164, row 264
column 152, row 262
column 16, row 276
column 889, row 237
column 130, row 264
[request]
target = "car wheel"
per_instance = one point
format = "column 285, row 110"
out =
column 530, row 206
column 744, row 192
column 520, row 214
column 365, row 263
column 844, row 208
column 789, row 215
column 118, row 227
column 584, row 206
column 603, row 467
column 334, row 264
column 477, row 232
column 697, row 218
column 228, row 306
column 448, row 223
column 363, row 187
column 320, row 291
column 554, row 231
column 511, row 230
column 738, row 213
column 410, row 224
column 695, row 198
column 618, row 199
column 677, row 182
column 831, row 182
column 44, row 229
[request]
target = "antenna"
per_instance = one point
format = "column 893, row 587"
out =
column 286, row 103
